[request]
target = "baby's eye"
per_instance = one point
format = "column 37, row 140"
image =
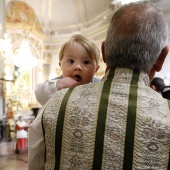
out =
column 86, row 62
column 71, row 61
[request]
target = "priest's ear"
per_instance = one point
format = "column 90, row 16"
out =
column 160, row 60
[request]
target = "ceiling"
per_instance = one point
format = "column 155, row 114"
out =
column 61, row 17
column 58, row 17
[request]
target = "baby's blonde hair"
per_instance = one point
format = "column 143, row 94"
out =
column 88, row 44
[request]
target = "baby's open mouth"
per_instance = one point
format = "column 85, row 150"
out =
column 77, row 78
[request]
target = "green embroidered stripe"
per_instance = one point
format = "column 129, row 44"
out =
column 169, row 104
column 100, row 130
column 131, row 119
column 59, row 128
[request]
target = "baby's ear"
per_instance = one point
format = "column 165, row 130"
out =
column 59, row 64
column 97, row 67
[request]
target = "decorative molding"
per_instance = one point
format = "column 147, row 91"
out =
column 20, row 14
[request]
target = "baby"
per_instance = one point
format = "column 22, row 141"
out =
column 79, row 61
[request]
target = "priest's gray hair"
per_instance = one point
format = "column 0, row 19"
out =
column 135, row 37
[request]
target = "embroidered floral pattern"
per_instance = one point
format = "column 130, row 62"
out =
column 75, row 163
column 49, row 123
column 116, row 121
column 79, row 138
column 152, row 133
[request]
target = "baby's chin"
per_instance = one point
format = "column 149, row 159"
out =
column 84, row 82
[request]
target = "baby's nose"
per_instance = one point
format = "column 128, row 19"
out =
column 78, row 67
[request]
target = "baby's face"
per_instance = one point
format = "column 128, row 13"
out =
column 76, row 63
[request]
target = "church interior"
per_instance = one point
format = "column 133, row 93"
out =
column 31, row 34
